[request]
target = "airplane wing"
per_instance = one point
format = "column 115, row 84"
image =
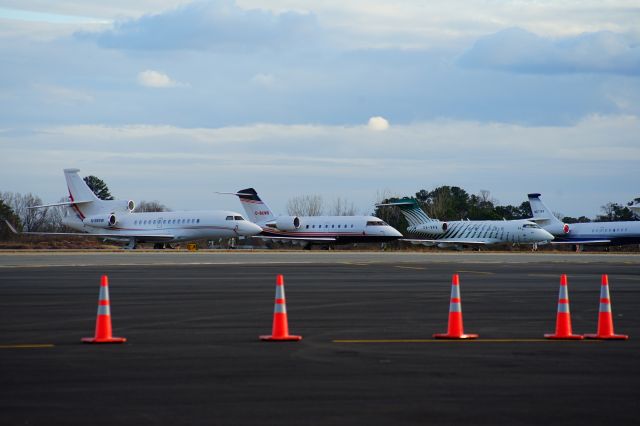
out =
column 582, row 241
column 318, row 239
column 444, row 241
column 67, row 203
column 99, row 235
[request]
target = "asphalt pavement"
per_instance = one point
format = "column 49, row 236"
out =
column 367, row 356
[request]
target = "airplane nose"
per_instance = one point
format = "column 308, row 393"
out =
column 248, row 229
column 393, row 232
column 546, row 235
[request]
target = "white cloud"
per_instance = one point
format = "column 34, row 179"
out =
column 378, row 124
column 156, row 79
column 267, row 81
column 520, row 51
column 63, row 95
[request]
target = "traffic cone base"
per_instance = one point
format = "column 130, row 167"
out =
column 564, row 337
column 455, row 336
column 609, row 337
column 288, row 338
column 106, row 340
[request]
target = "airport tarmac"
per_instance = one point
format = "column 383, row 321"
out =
column 367, row 357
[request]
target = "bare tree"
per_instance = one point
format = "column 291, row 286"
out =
column 32, row 219
column 151, row 206
column 342, row 207
column 305, row 205
column 440, row 205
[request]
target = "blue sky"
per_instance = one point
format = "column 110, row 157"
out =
column 172, row 100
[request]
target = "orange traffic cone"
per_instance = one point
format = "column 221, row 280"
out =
column 280, row 330
column 455, row 329
column 605, row 318
column 563, row 318
column 103, row 322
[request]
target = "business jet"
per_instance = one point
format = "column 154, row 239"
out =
column 475, row 233
column 115, row 220
column 308, row 230
column 597, row 233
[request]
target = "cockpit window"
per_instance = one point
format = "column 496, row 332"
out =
column 238, row 218
column 229, row 218
column 530, row 225
column 376, row 223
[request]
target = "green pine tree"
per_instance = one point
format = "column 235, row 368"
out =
column 98, row 187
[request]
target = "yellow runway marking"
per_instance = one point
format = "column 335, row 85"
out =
column 456, row 340
column 35, row 346
column 411, row 267
column 477, row 272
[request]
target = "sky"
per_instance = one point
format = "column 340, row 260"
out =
column 173, row 100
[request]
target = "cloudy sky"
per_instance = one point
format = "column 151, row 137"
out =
column 172, row 100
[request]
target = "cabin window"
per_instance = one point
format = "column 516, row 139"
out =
column 198, row 220
column 338, row 226
column 307, row 226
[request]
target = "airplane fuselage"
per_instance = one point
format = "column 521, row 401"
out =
column 618, row 233
column 485, row 232
column 342, row 229
column 167, row 226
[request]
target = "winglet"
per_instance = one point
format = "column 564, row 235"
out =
column 11, row 228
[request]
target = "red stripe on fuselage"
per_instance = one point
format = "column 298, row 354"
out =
column 75, row 207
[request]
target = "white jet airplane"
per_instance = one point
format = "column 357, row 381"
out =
column 476, row 233
column 308, row 230
column 115, row 219
column 604, row 233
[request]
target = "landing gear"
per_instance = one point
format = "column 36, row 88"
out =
column 132, row 244
column 158, row 246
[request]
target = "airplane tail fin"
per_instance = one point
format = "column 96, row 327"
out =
column 256, row 209
column 85, row 201
column 540, row 211
column 411, row 210
column 545, row 218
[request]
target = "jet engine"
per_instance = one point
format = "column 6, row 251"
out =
column 101, row 221
column 288, row 223
column 119, row 205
